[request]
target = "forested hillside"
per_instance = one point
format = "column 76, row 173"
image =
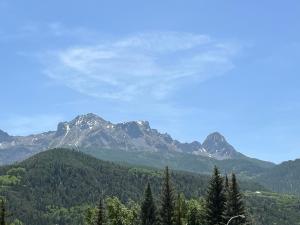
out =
column 245, row 167
column 283, row 178
column 58, row 186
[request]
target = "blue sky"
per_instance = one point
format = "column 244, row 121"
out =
column 188, row 67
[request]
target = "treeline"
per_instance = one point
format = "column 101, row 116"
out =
column 223, row 203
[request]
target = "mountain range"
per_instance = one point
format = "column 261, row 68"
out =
column 34, row 172
column 136, row 143
column 91, row 131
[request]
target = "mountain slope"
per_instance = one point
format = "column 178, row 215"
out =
column 245, row 167
column 131, row 140
column 51, row 185
column 283, row 178
column 90, row 130
column 218, row 147
column 66, row 178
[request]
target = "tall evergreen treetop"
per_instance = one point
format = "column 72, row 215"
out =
column 167, row 201
column 148, row 210
column 226, row 185
column 180, row 210
column 234, row 203
column 215, row 200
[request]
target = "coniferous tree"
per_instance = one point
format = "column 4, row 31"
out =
column 100, row 214
column 2, row 212
column 226, row 185
column 180, row 210
column 193, row 217
column 148, row 210
column 234, row 203
column 215, row 200
column 167, row 201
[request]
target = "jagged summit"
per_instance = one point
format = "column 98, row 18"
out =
column 90, row 131
column 216, row 145
column 216, row 137
column 88, row 120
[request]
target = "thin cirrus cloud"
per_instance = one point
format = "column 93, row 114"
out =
column 149, row 65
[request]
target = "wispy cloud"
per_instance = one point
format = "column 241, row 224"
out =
column 149, row 65
column 51, row 30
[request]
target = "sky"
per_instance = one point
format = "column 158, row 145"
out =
column 188, row 67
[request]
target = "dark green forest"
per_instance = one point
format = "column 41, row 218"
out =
column 65, row 187
column 244, row 167
column 284, row 178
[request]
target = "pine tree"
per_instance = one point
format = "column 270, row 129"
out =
column 100, row 214
column 234, row 203
column 167, row 201
column 193, row 217
column 148, row 210
column 180, row 210
column 226, row 185
column 2, row 212
column 215, row 200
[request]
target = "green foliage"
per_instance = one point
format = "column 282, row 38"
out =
column 284, row 178
column 265, row 208
column 8, row 180
column 89, row 216
column 65, row 179
column 100, row 214
column 119, row 214
column 12, row 177
column 234, row 203
column 167, row 201
column 148, row 209
column 196, row 211
column 16, row 171
column 17, row 222
column 63, row 216
column 180, row 210
column 193, row 217
column 244, row 167
column 2, row 213
column 215, row 200
column 59, row 186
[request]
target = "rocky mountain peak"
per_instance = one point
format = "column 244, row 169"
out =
column 88, row 121
column 91, row 131
column 62, row 129
column 216, row 145
column 143, row 123
column 215, row 137
column 4, row 136
column 134, row 129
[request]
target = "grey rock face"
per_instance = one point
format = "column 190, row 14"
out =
column 219, row 148
column 4, row 137
column 91, row 131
